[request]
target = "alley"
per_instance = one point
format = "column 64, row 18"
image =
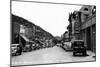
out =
column 48, row 55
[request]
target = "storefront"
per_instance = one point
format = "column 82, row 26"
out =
column 88, row 33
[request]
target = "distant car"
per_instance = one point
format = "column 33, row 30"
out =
column 78, row 48
column 33, row 46
column 37, row 46
column 27, row 48
column 59, row 43
column 16, row 49
column 66, row 45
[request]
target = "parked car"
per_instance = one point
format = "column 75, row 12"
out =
column 33, row 46
column 39, row 44
column 59, row 43
column 67, row 46
column 16, row 49
column 27, row 48
column 78, row 48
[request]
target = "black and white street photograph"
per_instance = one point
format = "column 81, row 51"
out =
column 52, row 33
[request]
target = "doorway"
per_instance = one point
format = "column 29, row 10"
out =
column 88, row 38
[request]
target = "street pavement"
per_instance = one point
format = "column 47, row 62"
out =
column 49, row 55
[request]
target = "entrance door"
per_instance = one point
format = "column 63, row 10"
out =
column 93, row 38
column 88, row 38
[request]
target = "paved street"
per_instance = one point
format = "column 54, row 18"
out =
column 48, row 55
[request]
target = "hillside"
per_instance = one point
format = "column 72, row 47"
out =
column 39, row 32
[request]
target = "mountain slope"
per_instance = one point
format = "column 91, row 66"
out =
column 39, row 32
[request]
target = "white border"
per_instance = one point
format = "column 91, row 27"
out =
column 5, row 34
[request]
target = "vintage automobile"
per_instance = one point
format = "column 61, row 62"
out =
column 59, row 43
column 39, row 44
column 78, row 48
column 27, row 48
column 16, row 49
column 67, row 46
column 33, row 46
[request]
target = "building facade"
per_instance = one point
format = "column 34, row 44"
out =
column 23, row 32
column 88, row 27
column 83, row 23
column 21, row 27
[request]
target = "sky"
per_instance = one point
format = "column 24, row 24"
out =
column 51, row 17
